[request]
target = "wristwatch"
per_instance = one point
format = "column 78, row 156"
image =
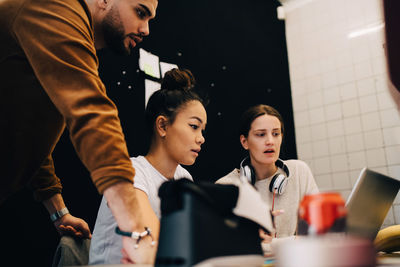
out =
column 58, row 214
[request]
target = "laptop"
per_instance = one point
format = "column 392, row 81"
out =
column 369, row 202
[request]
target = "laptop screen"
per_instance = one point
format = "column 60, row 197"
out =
column 369, row 202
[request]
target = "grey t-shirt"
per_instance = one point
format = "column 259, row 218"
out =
column 106, row 245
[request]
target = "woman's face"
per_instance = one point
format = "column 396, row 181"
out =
column 264, row 140
column 184, row 136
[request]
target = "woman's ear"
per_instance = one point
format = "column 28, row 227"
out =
column 243, row 141
column 161, row 125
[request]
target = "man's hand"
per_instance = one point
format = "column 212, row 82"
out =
column 67, row 224
column 132, row 211
column 70, row 225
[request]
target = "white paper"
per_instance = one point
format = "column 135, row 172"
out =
column 166, row 67
column 150, row 87
column 250, row 205
column 149, row 63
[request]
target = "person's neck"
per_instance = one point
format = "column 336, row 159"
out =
column 96, row 13
column 264, row 171
column 162, row 162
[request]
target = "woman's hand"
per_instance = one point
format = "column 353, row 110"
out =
column 267, row 238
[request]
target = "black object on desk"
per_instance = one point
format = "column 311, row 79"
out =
column 197, row 223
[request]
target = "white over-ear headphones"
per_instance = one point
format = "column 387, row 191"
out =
column 278, row 181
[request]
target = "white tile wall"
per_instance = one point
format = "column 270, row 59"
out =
column 366, row 87
column 348, row 91
column 350, row 108
column 345, row 118
column 392, row 155
column 333, row 112
column 389, row 117
column 319, row 132
column 337, row 145
column 391, row 136
column 341, row 180
column 373, row 139
column 355, row 142
column 370, row 121
column 352, row 125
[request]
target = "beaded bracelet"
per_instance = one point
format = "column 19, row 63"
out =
column 136, row 235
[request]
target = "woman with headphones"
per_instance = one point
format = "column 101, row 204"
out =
column 175, row 119
column 282, row 184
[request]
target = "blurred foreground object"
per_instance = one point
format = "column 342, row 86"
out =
column 329, row 250
column 199, row 223
column 322, row 213
column 323, row 241
column 388, row 239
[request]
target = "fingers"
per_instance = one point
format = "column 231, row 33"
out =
column 144, row 254
column 83, row 228
column 71, row 225
column 278, row 212
column 266, row 238
column 66, row 229
column 69, row 230
column 125, row 257
column 263, row 234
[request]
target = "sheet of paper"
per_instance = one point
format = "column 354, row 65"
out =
column 150, row 87
column 251, row 206
column 164, row 66
column 149, row 63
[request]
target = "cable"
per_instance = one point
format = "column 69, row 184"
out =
column 273, row 202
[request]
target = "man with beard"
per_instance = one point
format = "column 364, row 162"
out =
column 49, row 81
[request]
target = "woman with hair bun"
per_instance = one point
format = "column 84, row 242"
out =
column 175, row 119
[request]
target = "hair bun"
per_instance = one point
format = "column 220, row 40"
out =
column 178, row 79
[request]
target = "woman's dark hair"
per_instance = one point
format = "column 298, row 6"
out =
column 253, row 113
column 177, row 89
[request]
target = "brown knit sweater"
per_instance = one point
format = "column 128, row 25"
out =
column 49, row 80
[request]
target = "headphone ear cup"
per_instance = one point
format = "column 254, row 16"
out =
column 247, row 173
column 278, row 183
column 252, row 175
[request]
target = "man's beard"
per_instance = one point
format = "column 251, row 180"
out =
column 113, row 32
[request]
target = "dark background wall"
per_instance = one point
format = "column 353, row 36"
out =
column 237, row 52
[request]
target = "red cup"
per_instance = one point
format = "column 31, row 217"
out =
column 321, row 213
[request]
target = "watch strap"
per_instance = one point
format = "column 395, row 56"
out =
column 58, row 214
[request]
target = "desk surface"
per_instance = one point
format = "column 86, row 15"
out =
column 383, row 260
column 392, row 259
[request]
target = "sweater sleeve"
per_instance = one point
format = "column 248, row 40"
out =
column 230, row 178
column 45, row 183
column 57, row 38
